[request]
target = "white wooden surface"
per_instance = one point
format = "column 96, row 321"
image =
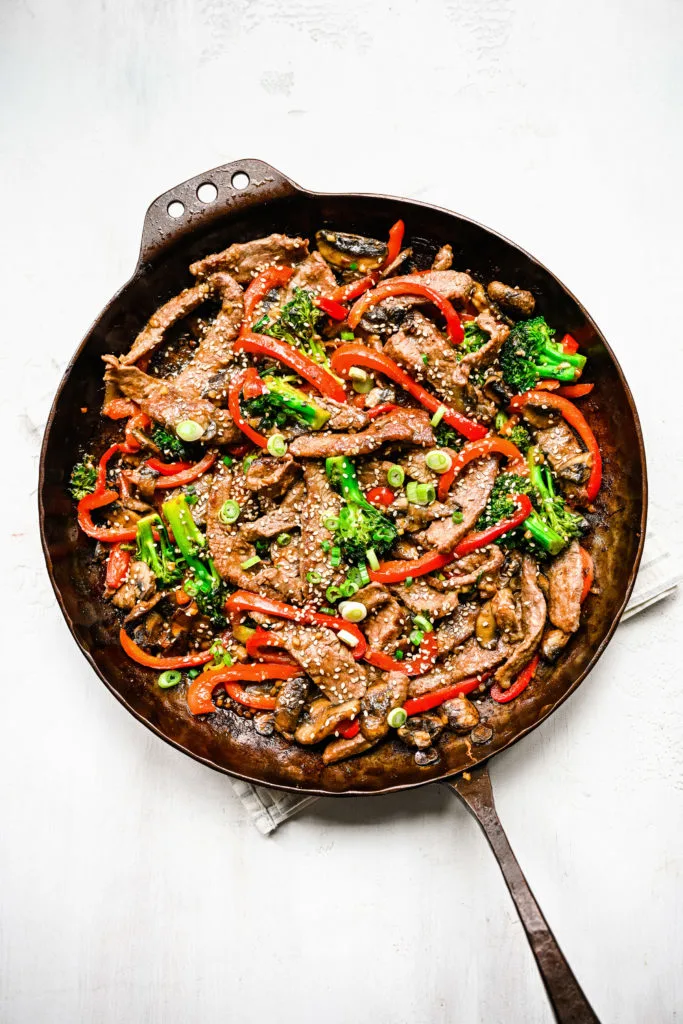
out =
column 133, row 888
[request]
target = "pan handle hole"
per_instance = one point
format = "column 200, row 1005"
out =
column 207, row 192
column 240, row 180
column 175, row 209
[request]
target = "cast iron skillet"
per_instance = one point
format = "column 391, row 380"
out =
column 272, row 202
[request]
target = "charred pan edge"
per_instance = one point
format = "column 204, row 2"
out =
column 277, row 187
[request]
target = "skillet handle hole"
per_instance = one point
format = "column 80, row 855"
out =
column 207, row 192
column 240, row 180
column 175, row 209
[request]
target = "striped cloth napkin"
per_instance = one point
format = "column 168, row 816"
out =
column 657, row 579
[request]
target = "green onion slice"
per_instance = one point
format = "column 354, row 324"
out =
column 416, row 637
column 439, row 461
column 333, row 594
column 423, row 623
column 189, row 430
column 420, row 494
column 397, row 717
column 331, row 523
column 277, row 445
column 373, row 560
column 171, row 677
column 251, row 562
column 457, row 516
column 229, row 512
column 438, row 415
column 395, row 476
column 352, row 611
column 313, row 576
column 347, row 336
column 348, row 589
column 283, row 539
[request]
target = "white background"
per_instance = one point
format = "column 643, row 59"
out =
column 133, row 887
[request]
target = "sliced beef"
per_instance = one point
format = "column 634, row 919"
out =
column 176, row 309
column 478, row 568
column 139, row 586
column 168, row 405
column 533, row 621
column 313, row 275
column 320, row 503
column 323, row 718
column 270, row 476
column 565, row 578
column 461, row 714
column 214, row 352
column 380, row 698
column 281, row 519
column 386, row 619
column 289, row 705
column 488, row 353
column 457, row 629
column 518, row 302
column 507, row 612
column 442, row 370
column 470, row 493
column 341, row 749
column 343, row 415
column 566, row 456
column 452, row 284
column 245, row 260
column 403, row 425
column 285, row 572
column 422, row 599
column 471, row 660
column 326, row 660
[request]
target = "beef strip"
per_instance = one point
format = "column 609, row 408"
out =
column 343, row 415
column 244, row 260
column 380, row 698
column 320, row 503
column 176, row 309
column 326, row 660
column 214, row 352
column 289, row 705
column 140, row 584
column 457, row 629
column 507, row 613
column 403, row 425
column 386, row 619
column 487, row 354
column 339, row 750
column 452, row 284
column 470, row 493
column 479, row 567
column 281, row 519
column 286, row 569
column 312, row 275
column 533, row 621
column 270, row 476
column 566, row 456
column 442, row 370
column 422, row 599
column 518, row 302
column 470, row 660
column 168, row 405
column 323, row 718
column 565, row 578
column 403, row 256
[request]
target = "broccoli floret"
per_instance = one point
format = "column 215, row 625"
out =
column 83, row 478
column 447, row 437
column 474, row 339
column 191, row 542
column 297, row 325
column 210, row 604
column 361, row 527
column 551, row 507
column 159, row 556
column 170, row 445
column 282, row 402
column 529, row 353
column 521, row 438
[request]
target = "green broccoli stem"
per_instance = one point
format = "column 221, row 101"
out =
column 296, row 403
column 543, row 534
column 556, row 371
column 554, row 353
column 162, row 560
column 190, row 541
column 341, row 473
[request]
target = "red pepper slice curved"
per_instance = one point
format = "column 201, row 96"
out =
column 119, row 409
column 159, row 662
column 258, row 288
column 331, row 307
column 396, row 233
column 416, row 705
column 382, row 497
column 577, row 421
column 417, row 666
column 238, row 383
column 260, row 647
column 167, row 468
column 502, row 696
column 569, row 345
column 187, row 476
column 588, row 566
column 575, row 390
column 274, row 348
column 140, row 421
column 117, row 566
column 200, row 690
column 103, row 465
column 486, row 446
column 473, row 541
column 245, row 601
column 108, row 535
column 356, row 354
column 380, row 410
column 404, row 286
column 347, row 292
column 348, row 729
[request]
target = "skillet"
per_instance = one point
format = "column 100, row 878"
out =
column 252, row 199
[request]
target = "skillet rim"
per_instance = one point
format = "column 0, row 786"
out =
column 399, row 787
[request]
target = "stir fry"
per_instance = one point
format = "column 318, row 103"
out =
column 348, row 493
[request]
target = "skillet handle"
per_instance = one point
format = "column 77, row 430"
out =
column 568, row 1001
column 238, row 186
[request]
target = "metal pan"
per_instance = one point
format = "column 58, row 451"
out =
column 269, row 201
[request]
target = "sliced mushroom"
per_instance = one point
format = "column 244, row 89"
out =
column 516, row 301
column 461, row 713
column 290, row 701
column 421, row 730
column 341, row 250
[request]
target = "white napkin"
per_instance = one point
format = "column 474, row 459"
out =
column 657, row 578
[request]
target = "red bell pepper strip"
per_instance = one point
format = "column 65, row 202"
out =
column 245, row 601
column 547, row 385
column 577, row 421
column 238, row 384
column 119, row 409
column 117, row 566
column 417, row 666
column 403, row 286
column 331, row 307
column 356, row 354
column 200, row 690
column 109, row 535
column 380, row 410
column 588, row 573
column 187, row 476
column 259, row 287
column 167, row 468
column 381, row 497
column 502, row 696
column 575, row 390
column 260, row 647
column 417, row 705
column 103, row 465
column 274, row 348
column 347, row 292
column 348, row 729
column 569, row 345
column 396, row 233
column 486, row 446
column 431, row 561
column 140, row 421
column 159, row 662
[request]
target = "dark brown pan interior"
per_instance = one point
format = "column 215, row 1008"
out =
column 225, row 743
